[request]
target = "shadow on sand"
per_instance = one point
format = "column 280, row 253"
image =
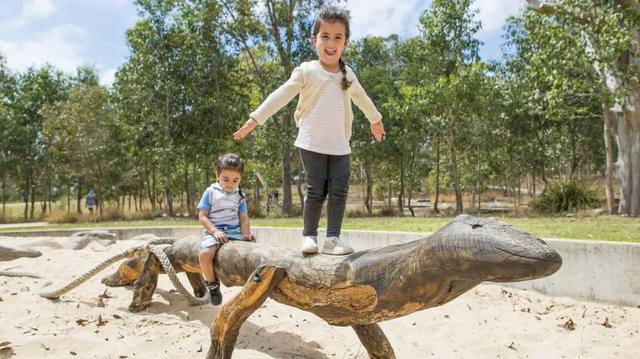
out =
column 279, row 345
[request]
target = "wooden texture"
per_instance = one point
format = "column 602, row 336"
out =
column 364, row 288
column 225, row 328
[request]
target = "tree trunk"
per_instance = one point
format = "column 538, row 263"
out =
column 455, row 173
column 435, row 202
column 27, row 184
column 368, row 200
column 299, row 182
column 608, row 121
column 287, row 202
column 412, row 161
column 186, row 188
column 628, row 163
column 33, row 199
column 79, row 197
column 4, row 195
column 401, row 194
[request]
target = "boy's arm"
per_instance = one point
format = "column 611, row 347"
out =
column 280, row 97
column 203, row 218
column 245, row 228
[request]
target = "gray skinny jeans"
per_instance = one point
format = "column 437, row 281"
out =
column 325, row 175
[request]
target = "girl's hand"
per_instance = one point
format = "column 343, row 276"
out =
column 378, row 130
column 249, row 237
column 245, row 129
column 221, row 236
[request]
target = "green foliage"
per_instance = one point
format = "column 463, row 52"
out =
column 567, row 196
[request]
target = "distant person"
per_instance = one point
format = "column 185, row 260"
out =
column 92, row 201
column 224, row 216
column 326, row 87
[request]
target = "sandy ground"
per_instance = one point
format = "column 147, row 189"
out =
column 490, row 321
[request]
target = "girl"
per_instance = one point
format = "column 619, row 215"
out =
column 324, row 116
column 223, row 214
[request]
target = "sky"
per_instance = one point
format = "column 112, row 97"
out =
column 71, row 33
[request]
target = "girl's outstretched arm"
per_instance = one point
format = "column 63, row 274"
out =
column 245, row 129
column 378, row 130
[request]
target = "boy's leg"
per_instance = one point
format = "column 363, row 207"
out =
column 207, row 252
column 315, row 174
column 205, row 258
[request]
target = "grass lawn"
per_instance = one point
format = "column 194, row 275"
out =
column 604, row 228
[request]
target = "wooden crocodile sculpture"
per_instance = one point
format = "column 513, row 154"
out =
column 358, row 290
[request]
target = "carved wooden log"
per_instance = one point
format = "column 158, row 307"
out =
column 225, row 329
column 370, row 286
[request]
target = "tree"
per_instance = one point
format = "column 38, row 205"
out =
column 611, row 35
column 448, row 31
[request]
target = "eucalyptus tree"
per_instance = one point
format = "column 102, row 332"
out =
column 8, row 140
column 372, row 59
column 35, row 90
column 610, row 35
column 448, row 30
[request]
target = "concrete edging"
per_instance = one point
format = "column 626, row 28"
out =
column 599, row 271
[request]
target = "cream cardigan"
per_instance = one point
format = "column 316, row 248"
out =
column 309, row 80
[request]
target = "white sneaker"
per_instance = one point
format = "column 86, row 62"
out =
column 336, row 246
column 309, row 245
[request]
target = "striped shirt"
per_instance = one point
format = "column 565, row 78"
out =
column 323, row 130
column 223, row 207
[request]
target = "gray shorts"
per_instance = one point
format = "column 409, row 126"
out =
column 209, row 240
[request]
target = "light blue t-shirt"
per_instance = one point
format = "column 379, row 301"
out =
column 223, row 207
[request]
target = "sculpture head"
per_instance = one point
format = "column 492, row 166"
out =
column 491, row 250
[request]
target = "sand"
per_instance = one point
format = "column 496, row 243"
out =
column 92, row 321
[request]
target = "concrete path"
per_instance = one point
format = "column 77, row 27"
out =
column 24, row 224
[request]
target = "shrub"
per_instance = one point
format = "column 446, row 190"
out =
column 566, row 196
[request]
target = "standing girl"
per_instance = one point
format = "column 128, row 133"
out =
column 324, row 115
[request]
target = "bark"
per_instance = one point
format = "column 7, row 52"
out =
column 402, row 184
column 300, row 181
column 411, row 180
column 374, row 341
column 435, row 202
column 287, row 202
column 455, row 172
column 225, row 329
column 33, row 198
column 368, row 199
column 27, row 184
column 79, row 197
column 608, row 135
column 4, row 195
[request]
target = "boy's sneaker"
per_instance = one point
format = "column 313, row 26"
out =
column 336, row 246
column 214, row 291
column 309, row 245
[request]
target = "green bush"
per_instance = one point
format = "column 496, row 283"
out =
column 566, row 196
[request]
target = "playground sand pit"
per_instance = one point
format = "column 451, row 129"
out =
column 92, row 321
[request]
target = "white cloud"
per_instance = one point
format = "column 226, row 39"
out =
column 107, row 77
column 33, row 10
column 61, row 46
column 493, row 14
column 385, row 17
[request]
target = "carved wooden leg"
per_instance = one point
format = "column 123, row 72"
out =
column 374, row 340
column 144, row 287
column 225, row 329
column 197, row 283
